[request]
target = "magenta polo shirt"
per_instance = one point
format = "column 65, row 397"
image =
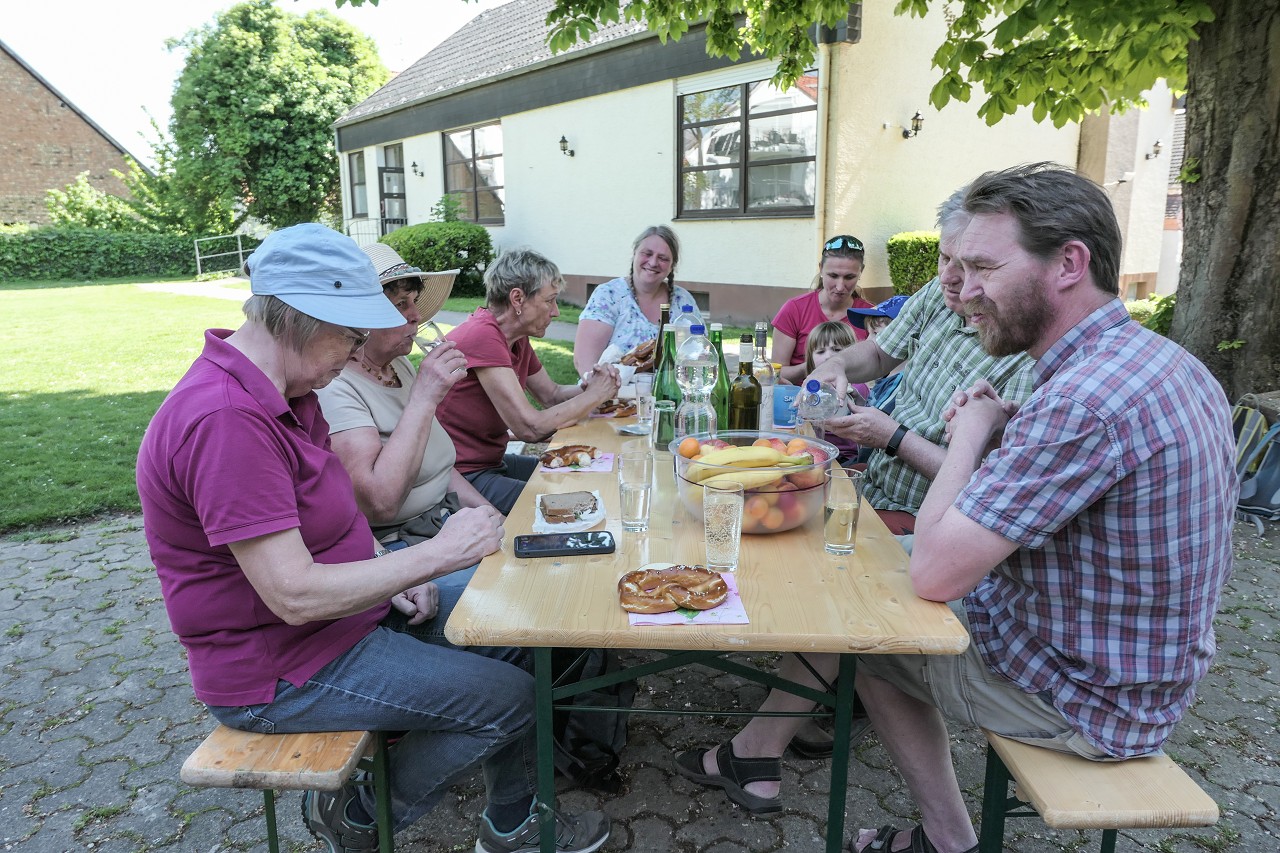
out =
column 227, row 458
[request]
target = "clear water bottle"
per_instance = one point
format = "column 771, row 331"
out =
column 763, row 370
column 684, row 322
column 697, row 367
column 818, row 401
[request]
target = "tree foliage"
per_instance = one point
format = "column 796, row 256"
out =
column 254, row 106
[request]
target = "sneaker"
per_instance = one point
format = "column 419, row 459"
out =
column 325, row 813
column 574, row 834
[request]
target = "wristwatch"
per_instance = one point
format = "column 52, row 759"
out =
column 891, row 449
column 381, row 552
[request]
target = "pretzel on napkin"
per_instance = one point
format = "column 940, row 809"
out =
column 671, row 588
column 617, row 408
column 570, row 454
column 642, row 356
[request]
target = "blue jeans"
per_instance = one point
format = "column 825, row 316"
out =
column 502, row 485
column 459, row 707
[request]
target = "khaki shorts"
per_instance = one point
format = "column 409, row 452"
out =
column 965, row 690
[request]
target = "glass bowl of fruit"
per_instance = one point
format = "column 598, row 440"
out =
column 781, row 474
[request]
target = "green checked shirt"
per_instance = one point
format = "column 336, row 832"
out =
column 942, row 354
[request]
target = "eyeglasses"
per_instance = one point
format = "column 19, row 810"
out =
column 842, row 243
column 361, row 337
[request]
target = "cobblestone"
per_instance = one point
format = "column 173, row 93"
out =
column 97, row 715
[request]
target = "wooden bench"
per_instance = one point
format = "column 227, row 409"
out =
column 1071, row 792
column 312, row 761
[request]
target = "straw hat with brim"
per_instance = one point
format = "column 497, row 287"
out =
column 391, row 268
column 323, row 274
column 889, row 308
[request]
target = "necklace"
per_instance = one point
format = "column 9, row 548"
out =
column 391, row 381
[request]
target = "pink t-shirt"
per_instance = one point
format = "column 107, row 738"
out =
column 479, row 433
column 225, row 459
column 800, row 315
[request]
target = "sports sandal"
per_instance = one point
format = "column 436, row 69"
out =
column 920, row 842
column 735, row 774
column 819, row 749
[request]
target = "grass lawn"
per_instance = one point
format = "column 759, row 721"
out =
column 83, row 367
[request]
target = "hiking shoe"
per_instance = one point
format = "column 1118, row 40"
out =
column 574, row 834
column 326, row 816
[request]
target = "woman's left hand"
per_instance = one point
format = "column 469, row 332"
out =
column 419, row 603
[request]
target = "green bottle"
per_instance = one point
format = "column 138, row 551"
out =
column 744, row 393
column 665, row 388
column 720, row 393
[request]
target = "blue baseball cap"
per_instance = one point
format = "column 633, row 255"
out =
column 323, row 274
column 889, row 308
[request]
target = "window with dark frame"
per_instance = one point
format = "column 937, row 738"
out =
column 359, row 189
column 473, row 172
column 749, row 150
column 391, row 189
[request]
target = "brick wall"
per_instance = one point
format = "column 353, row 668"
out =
column 44, row 144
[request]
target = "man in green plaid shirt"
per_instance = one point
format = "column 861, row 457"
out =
column 942, row 354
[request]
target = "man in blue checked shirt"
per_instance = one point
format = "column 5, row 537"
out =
column 1087, row 532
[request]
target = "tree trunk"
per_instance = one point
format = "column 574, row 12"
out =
column 1229, row 293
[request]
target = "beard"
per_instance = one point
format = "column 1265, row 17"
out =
column 1018, row 326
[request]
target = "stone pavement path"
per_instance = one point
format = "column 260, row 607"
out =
column 97, row 715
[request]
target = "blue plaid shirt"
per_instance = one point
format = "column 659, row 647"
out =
column 1117, row 480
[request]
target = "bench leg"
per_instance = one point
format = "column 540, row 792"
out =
column 269, row 812
column 382, row 794
column 1108, row 841
column 995, row 793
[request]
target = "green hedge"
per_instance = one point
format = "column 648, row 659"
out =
column 84, row 254
column 445, row 246
column 913, row 260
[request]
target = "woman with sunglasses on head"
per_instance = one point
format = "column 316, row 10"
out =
column 835, row 292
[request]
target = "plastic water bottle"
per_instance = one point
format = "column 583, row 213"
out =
column 684, row 322
column 763, row 370
column 818, row 401
column 697, row 367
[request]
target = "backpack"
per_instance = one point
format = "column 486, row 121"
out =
column 588, row 743
column 1260, row 478
column 1249, row 425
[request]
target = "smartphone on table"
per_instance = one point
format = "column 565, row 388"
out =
column 565, row 544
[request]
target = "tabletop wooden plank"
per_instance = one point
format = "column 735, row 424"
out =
column 798, row 597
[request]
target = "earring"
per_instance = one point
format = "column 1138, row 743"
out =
column 517, row 312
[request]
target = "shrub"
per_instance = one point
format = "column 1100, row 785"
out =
column 913, row 260
column 444, row 246
column 79, row 254
column 1154, row 312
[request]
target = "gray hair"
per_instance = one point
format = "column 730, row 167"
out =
column 1054, row 206
column 522, row 268
column 953, row 208
column 285, row 323
column 673, row 243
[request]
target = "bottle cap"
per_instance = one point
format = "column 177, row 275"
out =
column 686, row 309
column 717, row 327
column 812, row 386
column 746, row 339
column 697, row 329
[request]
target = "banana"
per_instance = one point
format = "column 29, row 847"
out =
column 793, row 461
column 749, row 478
column 743, row 457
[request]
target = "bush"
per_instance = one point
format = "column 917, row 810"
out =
column 913, row 260
column 445, row 246
column 79, row 254
column 1154, row 312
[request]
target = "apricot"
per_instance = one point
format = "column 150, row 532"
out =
column 690, row 448
column 762, row 442
column 756, row 506
column 773, row 519
column 797, row 446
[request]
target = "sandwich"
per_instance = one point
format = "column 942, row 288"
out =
column 568, row 507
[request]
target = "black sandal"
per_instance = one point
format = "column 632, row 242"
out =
column 920, row 842
column 735, row 774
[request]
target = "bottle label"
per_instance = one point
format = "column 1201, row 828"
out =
column 766, row 407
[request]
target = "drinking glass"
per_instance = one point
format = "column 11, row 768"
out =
column 635, row 484
column 664, row 423
column 842, row 497
column 722, row 525
column 644, row 398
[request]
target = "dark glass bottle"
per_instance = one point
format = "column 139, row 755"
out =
column 665, row 386
column 720, row 393
column 744, row 393
column 665, row 317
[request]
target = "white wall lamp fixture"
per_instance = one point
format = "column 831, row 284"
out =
column 917, row 124
column 564, row 147
column 414, row 167
column 1155, row 150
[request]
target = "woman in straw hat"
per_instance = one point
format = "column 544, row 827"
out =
column 267, row 565
column 382, row 418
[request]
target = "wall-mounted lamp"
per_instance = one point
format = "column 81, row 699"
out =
column 917, row 122
column 1155, row 150
column 414, row 167
column 564, row 147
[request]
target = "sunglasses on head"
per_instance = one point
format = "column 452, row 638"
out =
column 843, row 243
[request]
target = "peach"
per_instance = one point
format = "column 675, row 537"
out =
column 778, row 445
column 807, row 479
column 819, row 455
column 690, row 447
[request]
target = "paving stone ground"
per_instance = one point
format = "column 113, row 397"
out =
column 97, row 715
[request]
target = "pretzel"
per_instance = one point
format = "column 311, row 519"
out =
column 570, row 454
column 617, row 408
column 672, row 588
column 641, row 356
